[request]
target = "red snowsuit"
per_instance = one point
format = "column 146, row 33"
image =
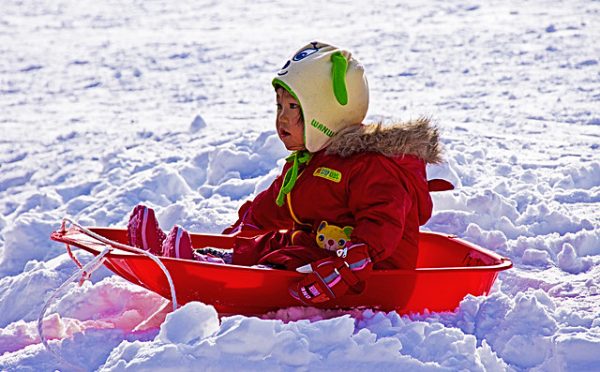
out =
column 370, row 178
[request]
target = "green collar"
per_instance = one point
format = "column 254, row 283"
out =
column 289, row 180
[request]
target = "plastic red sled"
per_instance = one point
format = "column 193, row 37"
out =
column 447, row 270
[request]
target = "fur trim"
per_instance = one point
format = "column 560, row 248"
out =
column 416, row 137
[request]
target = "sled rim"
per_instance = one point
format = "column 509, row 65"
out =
column 119, row 253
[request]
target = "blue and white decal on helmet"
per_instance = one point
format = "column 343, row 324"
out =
column 300, row 56
column 306, row 52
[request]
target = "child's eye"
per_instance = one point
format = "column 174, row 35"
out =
column 279, row 106
column 294, row 105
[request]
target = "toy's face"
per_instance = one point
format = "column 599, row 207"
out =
column 305, row 52
column 331, row 237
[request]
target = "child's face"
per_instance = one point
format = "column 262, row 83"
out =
column 289, row 123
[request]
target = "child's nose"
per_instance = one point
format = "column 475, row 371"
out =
column 282, row 116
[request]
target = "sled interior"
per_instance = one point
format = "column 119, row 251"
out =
column 435, row 250
column 448, row 269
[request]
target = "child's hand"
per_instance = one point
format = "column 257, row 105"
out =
column 331, row 278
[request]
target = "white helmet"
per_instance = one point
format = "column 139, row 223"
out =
column 331, row 88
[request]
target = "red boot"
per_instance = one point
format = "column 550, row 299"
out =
column 143, row 230
column 178, row 244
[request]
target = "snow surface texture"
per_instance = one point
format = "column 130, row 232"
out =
column 107, row 104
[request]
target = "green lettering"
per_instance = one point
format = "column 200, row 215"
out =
column 322, row 128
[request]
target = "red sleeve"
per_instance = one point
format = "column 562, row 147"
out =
column 380, row 203
column 263, row 213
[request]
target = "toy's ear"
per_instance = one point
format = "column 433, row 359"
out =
column 348, row 230
column 338, row 72
column 322, row 225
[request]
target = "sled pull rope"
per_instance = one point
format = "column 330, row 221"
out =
column 72, row 256
column 84, row 271
column 63, row 230
column 127, row 248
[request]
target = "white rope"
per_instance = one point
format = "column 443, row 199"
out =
column 87, row 268
column 152, row 317
column 129, row 248
column 84, row 273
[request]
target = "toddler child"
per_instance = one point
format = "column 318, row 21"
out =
column 350, row 198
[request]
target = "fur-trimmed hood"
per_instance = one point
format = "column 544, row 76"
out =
column 416, row 137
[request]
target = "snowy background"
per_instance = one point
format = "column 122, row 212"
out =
column 104, row 104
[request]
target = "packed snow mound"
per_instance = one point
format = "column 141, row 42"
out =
column 251, row 343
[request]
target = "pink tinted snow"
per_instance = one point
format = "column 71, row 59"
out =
column 137, row 316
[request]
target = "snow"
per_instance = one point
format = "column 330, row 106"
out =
column 107, row 104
